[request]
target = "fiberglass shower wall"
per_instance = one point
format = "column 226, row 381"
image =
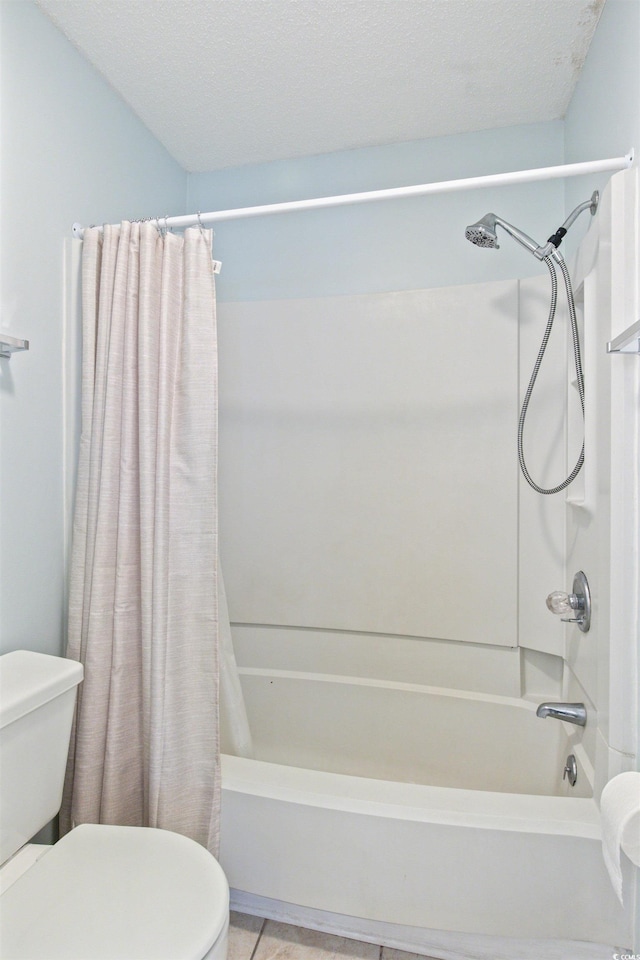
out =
column 369, row 479
column 386, row 499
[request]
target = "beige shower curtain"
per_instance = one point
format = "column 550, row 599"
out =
column 143, row 615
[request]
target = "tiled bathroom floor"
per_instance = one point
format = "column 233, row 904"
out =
column 252, row 938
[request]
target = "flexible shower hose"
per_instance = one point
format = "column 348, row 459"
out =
column 578, row 364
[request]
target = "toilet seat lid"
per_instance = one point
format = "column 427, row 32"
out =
column 116, row 893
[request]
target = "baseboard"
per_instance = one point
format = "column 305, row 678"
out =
column 436, row 944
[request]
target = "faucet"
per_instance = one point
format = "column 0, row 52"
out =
column 571, row 712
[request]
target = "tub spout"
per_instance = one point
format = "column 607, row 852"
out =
column 571, row 712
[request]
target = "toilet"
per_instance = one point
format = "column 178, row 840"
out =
column 101, row 892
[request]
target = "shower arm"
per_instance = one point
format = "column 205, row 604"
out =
column 550, row 247
column 556, row 238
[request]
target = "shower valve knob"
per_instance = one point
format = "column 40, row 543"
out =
column 578, row 602
column 559, row 602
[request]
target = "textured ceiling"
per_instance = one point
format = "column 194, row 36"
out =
column 228, row 82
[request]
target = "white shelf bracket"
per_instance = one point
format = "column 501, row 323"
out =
column 626, row 342
column 9, row 345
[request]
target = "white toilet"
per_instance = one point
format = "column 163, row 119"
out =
column 102, row 892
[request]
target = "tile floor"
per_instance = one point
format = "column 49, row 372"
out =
column 252, row 938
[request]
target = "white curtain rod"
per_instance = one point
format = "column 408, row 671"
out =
column 443, row 186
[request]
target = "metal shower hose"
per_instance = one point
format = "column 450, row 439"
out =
column 579, row 378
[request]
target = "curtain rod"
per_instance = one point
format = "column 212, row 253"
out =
column 424, row 189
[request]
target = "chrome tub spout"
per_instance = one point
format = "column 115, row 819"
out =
column 571, row 712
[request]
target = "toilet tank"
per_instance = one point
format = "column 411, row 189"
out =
column 37, row 697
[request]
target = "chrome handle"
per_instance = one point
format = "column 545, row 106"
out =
column 577, row 602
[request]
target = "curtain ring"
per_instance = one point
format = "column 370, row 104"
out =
column 201, row 226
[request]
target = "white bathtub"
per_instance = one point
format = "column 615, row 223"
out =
column 430, row 819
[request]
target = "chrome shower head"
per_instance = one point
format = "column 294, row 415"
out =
column 483, row 233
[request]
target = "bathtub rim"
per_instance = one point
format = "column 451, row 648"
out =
column 455, row 693
column 481, row 809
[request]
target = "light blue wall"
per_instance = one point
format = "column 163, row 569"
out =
column 603, row 118
column 390, row 245
column 71, row 150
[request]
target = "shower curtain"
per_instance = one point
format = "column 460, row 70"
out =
column 143, row 607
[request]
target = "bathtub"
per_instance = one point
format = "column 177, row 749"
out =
column 430, row 819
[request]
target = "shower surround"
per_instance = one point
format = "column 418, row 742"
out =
column 386, row 571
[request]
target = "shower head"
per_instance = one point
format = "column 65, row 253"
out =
column 483, row 234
